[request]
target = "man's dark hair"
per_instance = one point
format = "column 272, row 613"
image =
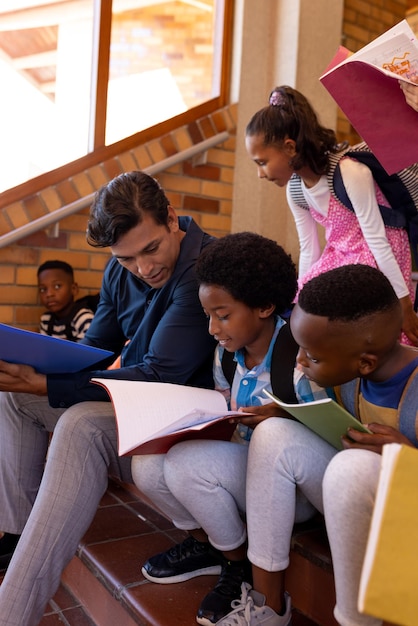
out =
column 348, row 293
column 253, row 269
column 120, row 204
column 56, row 265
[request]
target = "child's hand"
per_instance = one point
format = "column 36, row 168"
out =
column 410, row 92
column 380, row 436
column 260, row 413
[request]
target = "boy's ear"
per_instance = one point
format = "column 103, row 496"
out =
column 74, row 289
column 267, row 311
column 367, row 363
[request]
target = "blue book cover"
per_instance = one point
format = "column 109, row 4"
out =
column 48, row 355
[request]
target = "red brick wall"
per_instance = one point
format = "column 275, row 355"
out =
column 203, row 191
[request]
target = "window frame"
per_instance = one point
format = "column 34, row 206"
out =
column 99, row 152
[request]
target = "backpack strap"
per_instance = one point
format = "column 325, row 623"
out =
column 408, row 408
column 90, row 301
column 295, row 182
column 400, row 189
column 229, row 365
column 391, row 186
column 348, row 393
column 283, row 360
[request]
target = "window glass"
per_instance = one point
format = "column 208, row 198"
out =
column 165, row 58
column 163, row 61
column 45, row 73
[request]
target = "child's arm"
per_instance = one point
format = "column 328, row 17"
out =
column 359, row 183
column 310, row 249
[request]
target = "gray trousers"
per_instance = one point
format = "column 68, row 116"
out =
column 277, row 480
column 51, row 504
column 349, row 487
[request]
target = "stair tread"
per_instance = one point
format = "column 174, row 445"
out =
column 103, row 584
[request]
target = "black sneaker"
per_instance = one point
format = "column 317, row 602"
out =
column 183, row 561
column 217, row 603
column 8, row 543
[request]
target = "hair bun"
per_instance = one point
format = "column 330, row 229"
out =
column 277, row 99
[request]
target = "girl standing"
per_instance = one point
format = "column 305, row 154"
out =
column 285, row 140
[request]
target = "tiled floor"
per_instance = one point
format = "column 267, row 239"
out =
column 64, row 609
column 124, row 533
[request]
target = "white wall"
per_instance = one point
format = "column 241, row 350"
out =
column 280, row 42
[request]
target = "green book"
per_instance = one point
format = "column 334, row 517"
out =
column 325, row 417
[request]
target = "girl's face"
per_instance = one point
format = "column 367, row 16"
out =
column 231, row 322
column 273, row 162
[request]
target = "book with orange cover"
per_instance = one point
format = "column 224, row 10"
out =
column 388, row 586
column 153, row 416
column 365, row 85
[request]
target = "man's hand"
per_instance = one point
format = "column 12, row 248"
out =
column 380, row 436
column 21, row 379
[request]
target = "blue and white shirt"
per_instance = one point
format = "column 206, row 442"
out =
column 247, row 386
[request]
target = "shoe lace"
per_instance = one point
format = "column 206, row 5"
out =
column 186, row 548
column 230, row 581
column 242, row 609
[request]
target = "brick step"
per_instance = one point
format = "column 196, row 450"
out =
column 105, row 576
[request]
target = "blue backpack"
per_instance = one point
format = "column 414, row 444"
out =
column 400, row 190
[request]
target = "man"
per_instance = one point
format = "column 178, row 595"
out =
column 149, row 309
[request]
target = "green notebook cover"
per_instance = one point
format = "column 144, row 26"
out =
column 325, row 417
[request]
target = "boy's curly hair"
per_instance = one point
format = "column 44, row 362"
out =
column 251, row 268
column 348, row 293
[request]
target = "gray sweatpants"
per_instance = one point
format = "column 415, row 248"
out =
column 52, row 505
column 277, row 481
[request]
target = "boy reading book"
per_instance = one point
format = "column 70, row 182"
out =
column 347, row 324
column 246, row 282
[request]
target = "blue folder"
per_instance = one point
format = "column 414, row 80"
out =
column 48, row 355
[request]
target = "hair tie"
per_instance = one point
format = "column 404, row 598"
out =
column 277, row 99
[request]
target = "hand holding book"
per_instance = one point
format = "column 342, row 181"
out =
column 325, row 417
column 365, row 85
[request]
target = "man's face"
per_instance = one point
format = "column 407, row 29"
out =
column 150, row 250
column 328, row 354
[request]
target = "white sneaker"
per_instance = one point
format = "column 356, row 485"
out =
column 251, row 610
